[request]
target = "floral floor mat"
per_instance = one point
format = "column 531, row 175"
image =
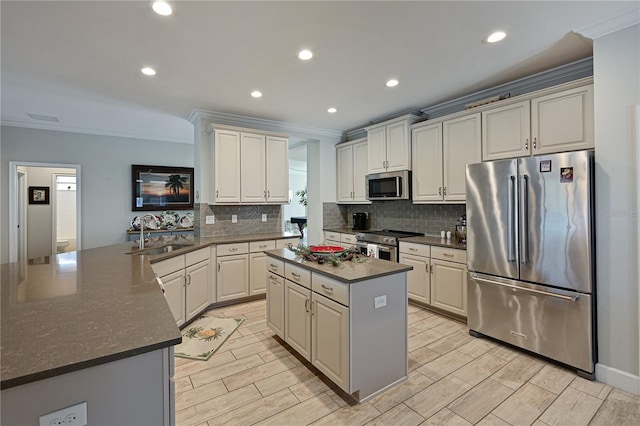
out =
column 205, row 336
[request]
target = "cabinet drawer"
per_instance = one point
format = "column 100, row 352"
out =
column 332, row 236
column 297, row 275
column 328, row 287
column 452, row 255
column 256, row 246
column 276, row 266
column 193, row 257
column 348, row 239
column 228, row 249
column 416, row 249
column 168, row 266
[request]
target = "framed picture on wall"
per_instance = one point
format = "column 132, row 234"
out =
column 161, row 188
column 38, row 195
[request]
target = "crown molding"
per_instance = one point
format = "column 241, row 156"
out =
column 242, row 121
column 97, row 132
column 610, row 25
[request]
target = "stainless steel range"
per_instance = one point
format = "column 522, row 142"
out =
column 382, row 244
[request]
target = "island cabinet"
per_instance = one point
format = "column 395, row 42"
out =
column 553, row 121
column 389, row 145
column 249, row 166
column 438, row 278
column 352, row 167
column 185, row 280
column 336, row 323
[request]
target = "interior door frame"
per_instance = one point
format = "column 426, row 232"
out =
column 14, row 208
column 54, row 210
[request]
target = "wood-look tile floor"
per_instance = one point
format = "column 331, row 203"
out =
column 454, row 379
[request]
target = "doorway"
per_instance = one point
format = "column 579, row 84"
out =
column 33, row 226
column 297, row 183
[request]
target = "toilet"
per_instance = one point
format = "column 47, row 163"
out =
column 61, row 245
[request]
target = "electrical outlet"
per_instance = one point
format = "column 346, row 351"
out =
column 71, row 416
column 264, row 217
column 234, row 218
column 380, row 301
column 210, row 219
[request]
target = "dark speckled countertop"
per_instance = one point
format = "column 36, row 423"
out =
column 76, row 310
column 346, row 271
column 435, row 241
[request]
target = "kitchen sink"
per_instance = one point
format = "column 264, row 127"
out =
column 160, row 250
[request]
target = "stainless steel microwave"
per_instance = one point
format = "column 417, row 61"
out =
column 389, row 186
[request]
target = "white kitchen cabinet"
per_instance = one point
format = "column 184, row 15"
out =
column 506, row 131
column 275, row 304
column 449, row 280
column 284, row 242
column 419, row 279
column 441, row 152
column 554, row 122
column 389, row 145
column 332, row 238
column 258, row 265
column 426, row 144
column 461, row 145
column 563, row 121
column 352, row 168
column 226, row 167
column 250, row 167
column 297, row 318
column 232, row 271
column 330, row 339
column 186, row 282
column 348, row 240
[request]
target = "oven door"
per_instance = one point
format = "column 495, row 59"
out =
column 388, row 253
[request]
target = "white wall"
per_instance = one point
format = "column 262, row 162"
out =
column 106, row 174
column 321, row 184
column 617, row 92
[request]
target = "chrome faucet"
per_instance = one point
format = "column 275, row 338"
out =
column 141, row 242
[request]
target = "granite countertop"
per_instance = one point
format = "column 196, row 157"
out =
column 81, row 309
column 435, row 241
column 347, row 271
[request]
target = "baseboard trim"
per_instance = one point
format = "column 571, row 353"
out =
column 618, row 378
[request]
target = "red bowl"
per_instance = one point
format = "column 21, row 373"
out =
column 326, row 250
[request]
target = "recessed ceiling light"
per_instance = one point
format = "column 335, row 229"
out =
column 495, row 37
column 332, row 110
column 148, row 71
column 162, row 8
column 256, row 94
column 305, row 54
column 392, row 83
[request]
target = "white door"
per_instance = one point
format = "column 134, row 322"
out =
column 197, row 288
column 418, row 279
column 257, row 273
column 226, row 167
column 330, row 345
column 506, row 132
column 297, row 318
column 398, row 147
column 360, row 170
column 344, row 177
column 461, row 145
column 174, row 292
column 232, row 277
column 449, row 286
column 275, row 304
column 377, row 152
column 252, row 168
column 277, row 170
column 427, row 163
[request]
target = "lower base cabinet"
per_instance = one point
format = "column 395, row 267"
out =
column 449, row 286
column 275, row 304
column 232, row 279
column 297, row 318
column 330, row 339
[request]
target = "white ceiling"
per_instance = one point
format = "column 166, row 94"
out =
column 80, row 60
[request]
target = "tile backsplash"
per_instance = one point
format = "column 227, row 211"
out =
column 398, row 215
column 249, row 220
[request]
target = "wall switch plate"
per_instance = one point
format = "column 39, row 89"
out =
column 380, row 301
column 71, row 416
column 234, row 218
column 264, row 217
column 210, row 219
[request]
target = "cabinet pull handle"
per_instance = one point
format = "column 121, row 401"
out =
column 306, row 305
column 188, row 279
column 426, row 267
column 218, row 267
column 535, row 143
column 269, row 194
column 413, row 249
column 447, row 254
column 273, row 278
column 444, row 191
column 262, row 246
column 294, row 275
column 184, row 284
column 327, row 288
column 217, row 193
column 439, row 190
column 265, row 194
column 526, row 143
column 273, row 266
column 312, row 303
column 233, row 249
column 431, row 270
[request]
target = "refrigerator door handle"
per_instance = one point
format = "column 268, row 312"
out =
column 531, row 290
column 511, row 219
column 524, row 219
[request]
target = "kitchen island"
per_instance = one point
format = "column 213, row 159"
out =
column 349, row 321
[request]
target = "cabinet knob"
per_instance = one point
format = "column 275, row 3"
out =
column 217, row 193
column 526, row 143
column 444, row 191
column 535, row 143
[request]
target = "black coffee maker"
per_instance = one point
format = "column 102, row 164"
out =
column 359, row 221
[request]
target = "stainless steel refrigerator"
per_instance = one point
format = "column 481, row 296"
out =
column 530, row 255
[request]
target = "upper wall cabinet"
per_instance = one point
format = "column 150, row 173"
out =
column 249, row 168
column 389, row 145
column 352, row 168
column 557, row 122
column 441, row 152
